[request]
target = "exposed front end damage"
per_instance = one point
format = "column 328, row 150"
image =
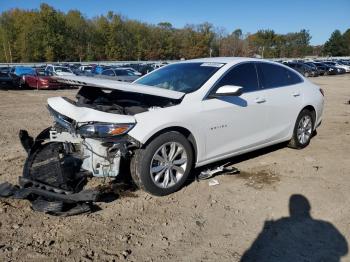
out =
column 95, row 126
column 88, row 138
column 94, row 143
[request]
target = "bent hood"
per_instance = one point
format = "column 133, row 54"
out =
column 85, row 114
column 117, row 85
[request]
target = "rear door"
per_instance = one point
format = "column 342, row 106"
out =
column 283, row 98
column 235, row 123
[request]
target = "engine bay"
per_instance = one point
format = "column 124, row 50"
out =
column 120, row 102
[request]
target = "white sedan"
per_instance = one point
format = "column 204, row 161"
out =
column 182, row 116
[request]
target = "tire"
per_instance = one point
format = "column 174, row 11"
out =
column 168, row 176
column 306, row 74
column 302, row 134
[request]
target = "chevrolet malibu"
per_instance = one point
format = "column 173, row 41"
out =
column 177, row 118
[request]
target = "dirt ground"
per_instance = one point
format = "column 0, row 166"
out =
column 258, row 215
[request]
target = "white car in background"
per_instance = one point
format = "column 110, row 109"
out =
column 337, row 65
column 54, row 70
column 85, row 68
column 182, row 116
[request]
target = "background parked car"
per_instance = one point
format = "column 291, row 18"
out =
column 134, row 71
column 97, row 69
column 8, row 80
column 321, row 70
column 303, row 69
column 337, row 65
column 22, row 70
column 118, row 74
column 54, row 70
column 328, row 70
column 85, row 68
column 40, row 80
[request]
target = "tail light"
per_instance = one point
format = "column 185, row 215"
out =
column 321, row 91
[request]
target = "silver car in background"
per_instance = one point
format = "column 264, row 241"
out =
column 118, row 74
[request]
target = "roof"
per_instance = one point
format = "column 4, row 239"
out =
column 226, row 60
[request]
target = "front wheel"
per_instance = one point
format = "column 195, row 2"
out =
column 303, row 130
column 162, row 167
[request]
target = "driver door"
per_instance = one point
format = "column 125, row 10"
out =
column 235, row 123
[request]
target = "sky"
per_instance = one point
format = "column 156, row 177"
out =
column 320, row 17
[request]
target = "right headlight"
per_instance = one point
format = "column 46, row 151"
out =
column 101, row 130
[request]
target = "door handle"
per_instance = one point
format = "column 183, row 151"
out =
column 296, row 94
column 260, row 100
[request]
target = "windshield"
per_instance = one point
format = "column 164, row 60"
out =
column 62, row 69
column 182, row 77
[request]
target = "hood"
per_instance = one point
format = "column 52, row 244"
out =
column 122, row 86
column 84, row 114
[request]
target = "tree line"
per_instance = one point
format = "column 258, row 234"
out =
column 48, row 34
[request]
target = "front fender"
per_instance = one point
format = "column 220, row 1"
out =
column 150, row 123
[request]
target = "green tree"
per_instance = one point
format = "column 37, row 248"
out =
column 336, row 45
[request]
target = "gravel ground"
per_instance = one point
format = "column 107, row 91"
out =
column 286, row 205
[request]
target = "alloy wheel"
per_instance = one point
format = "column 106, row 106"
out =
column 304, row 129
column 168, row 164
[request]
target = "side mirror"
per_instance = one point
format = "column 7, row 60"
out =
column 227, row 90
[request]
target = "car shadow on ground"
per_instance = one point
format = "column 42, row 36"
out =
column 240, row 158
column 298, row 237
column 234, row 160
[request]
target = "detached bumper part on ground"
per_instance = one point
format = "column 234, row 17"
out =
column 52, row 181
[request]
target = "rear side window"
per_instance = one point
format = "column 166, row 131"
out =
column 243, row 75
column 293, row 78
column 272, row 76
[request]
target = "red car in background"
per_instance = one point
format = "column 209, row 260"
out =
column 40, row 80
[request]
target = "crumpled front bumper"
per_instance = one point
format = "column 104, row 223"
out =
column 98, row 157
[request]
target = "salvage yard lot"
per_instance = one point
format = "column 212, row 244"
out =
column 200, row 222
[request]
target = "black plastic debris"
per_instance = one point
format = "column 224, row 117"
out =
column 7, row 189
column 26, row 140
column 52, row 179
column 57, row 208
column 46, row 200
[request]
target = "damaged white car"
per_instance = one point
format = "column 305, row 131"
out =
column 181, row 116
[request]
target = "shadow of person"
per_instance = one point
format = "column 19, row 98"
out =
column 297, row 238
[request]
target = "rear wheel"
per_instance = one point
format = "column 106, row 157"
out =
column 303, row 130
column 162, row 167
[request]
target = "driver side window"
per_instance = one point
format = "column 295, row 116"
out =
column 243, row 75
